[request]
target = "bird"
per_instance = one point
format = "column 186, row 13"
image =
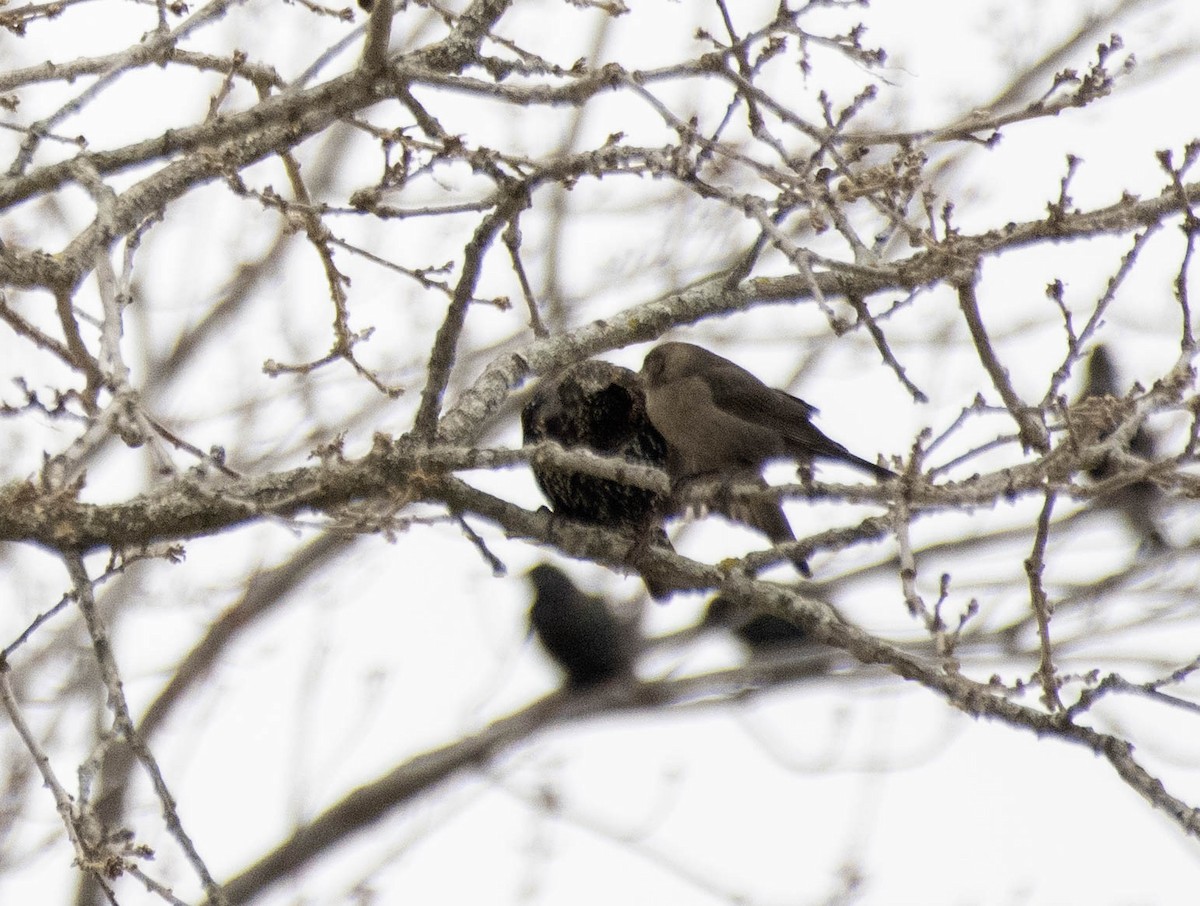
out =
column 600, row 407
column 762, row 633
column 578, row 631
column 719, row 419
column 1138, row 503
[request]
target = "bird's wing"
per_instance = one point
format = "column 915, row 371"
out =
column 736, row 390
column 744, row 396
column 740, row 394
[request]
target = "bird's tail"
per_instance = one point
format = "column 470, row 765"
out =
column 764, row 515
column 807, row 447
column 870, row 468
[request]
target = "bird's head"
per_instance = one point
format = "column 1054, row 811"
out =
column 548, row 580
column 669, row 362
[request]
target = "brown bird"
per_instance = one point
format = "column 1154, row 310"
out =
column 578, row 630
column 719, row 419
column 1138, row 503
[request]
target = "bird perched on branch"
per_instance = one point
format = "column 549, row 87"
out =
column 578, row 631
column 762, row 633
column 600, row 407
column 1138, row 503
column 718, row 419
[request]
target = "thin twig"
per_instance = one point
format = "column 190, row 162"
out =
column 1029, row 423
column 1035, row 566
column 124, row 722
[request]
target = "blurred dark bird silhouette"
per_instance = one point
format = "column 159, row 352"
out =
column 579, row 632
column 762, row 633
column 718, row 419
column 600, row 407
column 1138, row 503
